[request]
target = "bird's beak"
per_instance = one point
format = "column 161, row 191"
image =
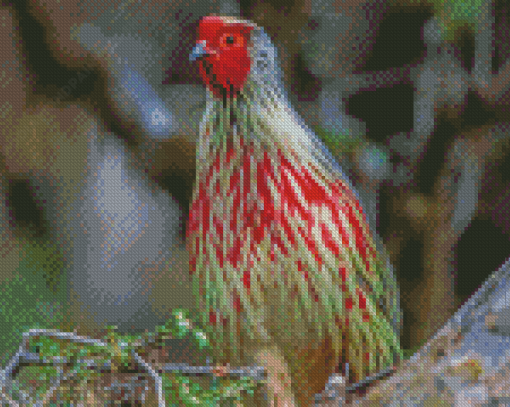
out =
column 199, row 51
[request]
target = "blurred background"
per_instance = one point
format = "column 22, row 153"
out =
column 99, row 114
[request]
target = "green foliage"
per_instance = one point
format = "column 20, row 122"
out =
column 455, row 14
column 221, row 390
column 40, row 374
column 408, row 353
column 177, row 387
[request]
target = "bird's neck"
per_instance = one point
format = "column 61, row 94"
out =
column 259, row 117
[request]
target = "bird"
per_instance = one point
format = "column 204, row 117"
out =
column 284, row 265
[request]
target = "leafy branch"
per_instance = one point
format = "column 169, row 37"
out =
column 116, row 353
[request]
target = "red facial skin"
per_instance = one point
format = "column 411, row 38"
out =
column 226, row 67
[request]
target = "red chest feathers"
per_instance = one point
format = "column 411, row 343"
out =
column 247, row 197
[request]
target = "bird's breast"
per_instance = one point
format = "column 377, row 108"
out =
column 250, row 196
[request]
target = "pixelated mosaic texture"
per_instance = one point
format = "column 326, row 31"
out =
column 103, row 92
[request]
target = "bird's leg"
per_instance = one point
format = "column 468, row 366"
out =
column 278, row 381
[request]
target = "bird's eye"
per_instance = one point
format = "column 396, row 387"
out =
column 231, row 40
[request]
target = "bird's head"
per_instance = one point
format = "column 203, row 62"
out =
column 229, row 49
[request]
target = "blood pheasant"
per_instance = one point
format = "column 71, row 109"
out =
column 283, row 259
